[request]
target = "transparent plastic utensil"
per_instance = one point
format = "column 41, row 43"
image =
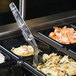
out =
column 25, row 31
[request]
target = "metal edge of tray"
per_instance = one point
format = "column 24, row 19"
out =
column 10, row 34
column 34, row 27
column 6, row 29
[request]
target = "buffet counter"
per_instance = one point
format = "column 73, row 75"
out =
column 33, row 22
column 10, row 36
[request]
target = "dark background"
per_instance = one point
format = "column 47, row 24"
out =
column 35, row 8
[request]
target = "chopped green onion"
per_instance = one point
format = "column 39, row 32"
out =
column 51, row 56
column 49, row 74
column 58, row 65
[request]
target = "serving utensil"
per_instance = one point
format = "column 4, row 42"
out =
column 25, row 31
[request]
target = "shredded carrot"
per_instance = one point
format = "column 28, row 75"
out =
column 52, row 59
column 56, row 63
column 56, row 69
column 74, row 74
column 58, row 74
column 56, row 56
column 66, row 67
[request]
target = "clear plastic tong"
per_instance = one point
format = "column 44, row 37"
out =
column 25, row 31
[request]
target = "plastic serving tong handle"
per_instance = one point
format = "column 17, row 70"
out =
column 25, row 31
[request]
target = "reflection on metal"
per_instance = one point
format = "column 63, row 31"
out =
column 67, row 17
column 22, row 7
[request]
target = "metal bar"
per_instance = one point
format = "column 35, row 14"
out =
column 12, row 55
column 22, row 8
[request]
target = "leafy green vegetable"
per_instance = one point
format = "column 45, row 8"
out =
column 49, row 74
column 67, row 74
column 51, row 56
column 68, row 67
column 50, row 63
column 58, row 65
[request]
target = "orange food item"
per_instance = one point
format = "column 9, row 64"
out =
column 66, row 67
column 64, row 35
column 56, row 63
column 56, row 69
column 74, row 74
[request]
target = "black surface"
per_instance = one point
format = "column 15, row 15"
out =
column 39, row 8
column 27, row 64
column 36, row 8
column 14, row 71
column 6, row 16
